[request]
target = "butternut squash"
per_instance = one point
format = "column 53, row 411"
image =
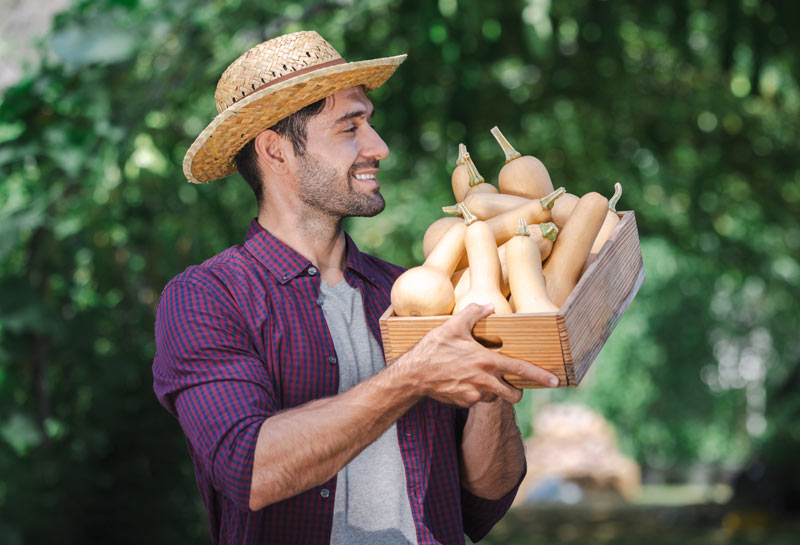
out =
column 426, row 290
column 503, row 225
column 609, row 224
column 534, row 211
column 524, row 263
column 543, row 236
column 525, row 176
column 487, row 205
column 460, row 177
column 611, row 221
column 435, row 231
column 562, row 208
column 463, row 284
column 572, row 247
column 485, row 270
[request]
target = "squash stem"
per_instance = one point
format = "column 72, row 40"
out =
column 548, row 200
column 612, row 202
column 469, row 217
column 508, row 149
column 475, row 177
column 452, row 210
column 522, row 229
column 549, row 230
column 462, row 151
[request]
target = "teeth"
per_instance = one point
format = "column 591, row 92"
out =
column 365, row 176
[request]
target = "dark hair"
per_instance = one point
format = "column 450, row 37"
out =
column 293, row 128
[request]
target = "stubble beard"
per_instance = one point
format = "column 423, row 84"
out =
column 324, row 189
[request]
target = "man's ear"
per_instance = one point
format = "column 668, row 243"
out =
column 273, row 152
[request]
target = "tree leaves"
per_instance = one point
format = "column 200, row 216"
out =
column 676, row 101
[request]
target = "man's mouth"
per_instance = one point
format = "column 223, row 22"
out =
column 365, row 177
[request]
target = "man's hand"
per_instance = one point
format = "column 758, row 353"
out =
column 449, row 365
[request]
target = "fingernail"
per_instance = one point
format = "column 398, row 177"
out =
column 554, row 381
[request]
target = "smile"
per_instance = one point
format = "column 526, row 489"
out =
column 365, row 176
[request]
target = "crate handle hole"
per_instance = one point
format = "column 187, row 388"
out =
column 492, row 343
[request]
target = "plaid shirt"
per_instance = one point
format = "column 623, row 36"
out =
column 243, row 336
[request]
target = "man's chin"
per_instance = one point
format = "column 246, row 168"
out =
column 368, row 206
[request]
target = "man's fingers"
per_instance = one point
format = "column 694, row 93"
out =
column 526, row 370
column 471, row 315
column 508, row 392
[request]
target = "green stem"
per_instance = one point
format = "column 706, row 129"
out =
column 462, row 152
column 549, row 230
column 469, row 217
column 522, row 229
column 475, row 177
column 612, row 202
column 452, row 210
column 548, row 200
column 508, row 149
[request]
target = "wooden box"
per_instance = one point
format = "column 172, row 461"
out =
column 564, row 342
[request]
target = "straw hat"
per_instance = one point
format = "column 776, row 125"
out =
column 269, row 82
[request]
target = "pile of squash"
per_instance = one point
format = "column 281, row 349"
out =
column 522, row 248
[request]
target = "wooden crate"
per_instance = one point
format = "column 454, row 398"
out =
column 564, row 342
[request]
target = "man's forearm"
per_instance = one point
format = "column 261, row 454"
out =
column 307, row 445
column 492, row 455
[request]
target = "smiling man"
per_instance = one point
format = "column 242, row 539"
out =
column 269, row 354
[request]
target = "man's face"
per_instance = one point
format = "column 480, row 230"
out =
column 337, row 175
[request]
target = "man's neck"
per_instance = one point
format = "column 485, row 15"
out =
column 318, row 238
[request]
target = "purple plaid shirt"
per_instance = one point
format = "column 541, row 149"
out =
column 243, row 336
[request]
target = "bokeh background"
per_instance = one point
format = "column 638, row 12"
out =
column 692, row 105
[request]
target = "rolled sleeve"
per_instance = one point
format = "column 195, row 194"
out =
column 480, row 515
column 208, row 374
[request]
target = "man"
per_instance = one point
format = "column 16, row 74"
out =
column 269, row 353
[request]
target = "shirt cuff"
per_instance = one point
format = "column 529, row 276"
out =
column 481, row 514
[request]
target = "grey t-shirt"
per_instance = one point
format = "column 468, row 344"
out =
column 371, row 505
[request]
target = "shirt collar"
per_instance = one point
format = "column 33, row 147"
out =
column 355, row 261
column 286, row 263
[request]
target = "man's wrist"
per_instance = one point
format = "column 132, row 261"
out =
column 397, row 385
column 405, row 373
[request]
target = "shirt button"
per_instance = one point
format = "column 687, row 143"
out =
column 312, row 271
column 324, row 492
column 320, row 300
column 285, row 277
column 332, row 360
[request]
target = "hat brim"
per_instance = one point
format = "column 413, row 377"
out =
column 210, row 157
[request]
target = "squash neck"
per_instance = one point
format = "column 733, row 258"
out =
column 447, row 253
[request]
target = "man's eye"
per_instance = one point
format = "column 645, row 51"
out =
column 351, row 129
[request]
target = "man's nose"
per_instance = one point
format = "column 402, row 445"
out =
column 373, row 145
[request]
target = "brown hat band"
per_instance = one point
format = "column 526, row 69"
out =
column 294, row 74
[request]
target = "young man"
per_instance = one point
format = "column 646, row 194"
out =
column 269, row 354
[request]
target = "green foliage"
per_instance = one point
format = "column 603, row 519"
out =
column 692, row 106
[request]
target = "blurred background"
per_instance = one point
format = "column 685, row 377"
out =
column 687, row 427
